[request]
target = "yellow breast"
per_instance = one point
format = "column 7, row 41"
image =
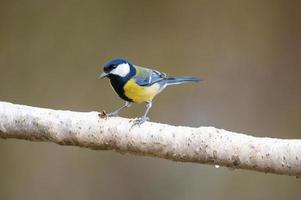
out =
column 139, row 93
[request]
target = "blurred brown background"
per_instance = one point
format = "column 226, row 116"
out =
column 248, row 52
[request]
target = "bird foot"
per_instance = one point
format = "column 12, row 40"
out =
column 112, row 114
column 140, row 121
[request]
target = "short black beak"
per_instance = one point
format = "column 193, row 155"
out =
column 103, row 74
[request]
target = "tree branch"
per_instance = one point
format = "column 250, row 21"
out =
column 200, row 145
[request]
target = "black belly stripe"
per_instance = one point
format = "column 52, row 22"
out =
column 118, row 87
column 118, row 83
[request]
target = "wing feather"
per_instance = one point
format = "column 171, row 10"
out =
column 145, row 76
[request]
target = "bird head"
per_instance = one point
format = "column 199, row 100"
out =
column 116, row 67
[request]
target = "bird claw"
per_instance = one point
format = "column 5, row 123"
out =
column 112, row 114
column 140, row 121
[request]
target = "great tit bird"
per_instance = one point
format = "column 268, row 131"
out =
column 136, row 84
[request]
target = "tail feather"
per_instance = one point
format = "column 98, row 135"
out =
column 181, row 79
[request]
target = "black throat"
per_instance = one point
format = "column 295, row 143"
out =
column 118, row 83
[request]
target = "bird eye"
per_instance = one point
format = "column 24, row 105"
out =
column 109, row 68
column 112, row 67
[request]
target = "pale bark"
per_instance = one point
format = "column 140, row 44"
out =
column 200, row 145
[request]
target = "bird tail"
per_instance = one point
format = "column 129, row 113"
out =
column 181, row 79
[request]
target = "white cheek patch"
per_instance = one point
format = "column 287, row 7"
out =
column 121, row 70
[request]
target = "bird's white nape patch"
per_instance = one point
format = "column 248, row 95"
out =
column 121, row 70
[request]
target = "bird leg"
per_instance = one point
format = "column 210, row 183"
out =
column 144, row 118
column 116, row 112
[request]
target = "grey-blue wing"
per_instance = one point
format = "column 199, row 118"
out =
column 145, row 76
